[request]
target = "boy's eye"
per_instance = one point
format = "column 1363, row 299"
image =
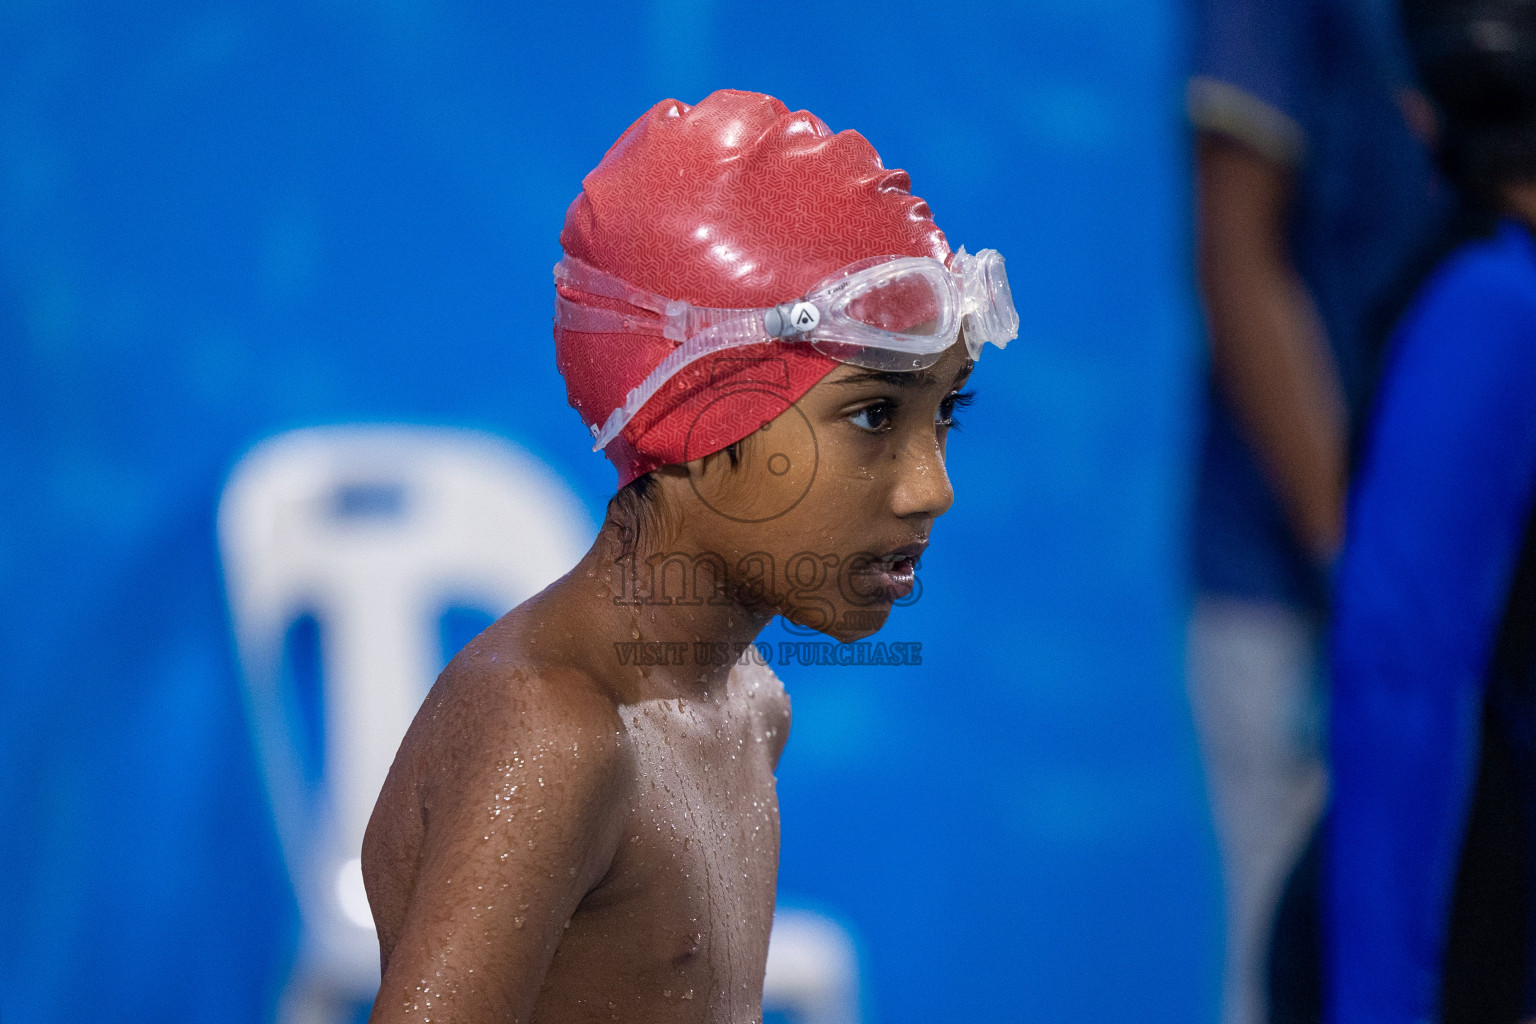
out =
column 957, row 400
column 873, row 418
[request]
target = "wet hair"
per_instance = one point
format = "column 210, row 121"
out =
column 634, row 511
column 1476, row 59
column 633, row 508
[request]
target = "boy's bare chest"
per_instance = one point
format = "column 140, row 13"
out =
column 704, row 820
column 691, row 893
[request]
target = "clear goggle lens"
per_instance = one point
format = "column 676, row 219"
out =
column 887, row 314
column 905, row 305
column 990, row 315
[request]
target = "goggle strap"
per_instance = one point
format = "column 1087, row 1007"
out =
column 691, row 351
column 574, row 316
column 581, row 276
column 680, row 320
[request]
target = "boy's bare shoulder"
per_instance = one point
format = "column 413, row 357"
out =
column 760, row 685
column 514, row 774
column 493, row 702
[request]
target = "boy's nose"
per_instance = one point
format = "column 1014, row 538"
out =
column 923, row 487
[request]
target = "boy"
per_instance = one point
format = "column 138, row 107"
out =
column 762, row 328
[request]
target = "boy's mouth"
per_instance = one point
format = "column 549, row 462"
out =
column 896, row 571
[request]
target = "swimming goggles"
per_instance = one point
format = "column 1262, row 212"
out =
column 884, row 313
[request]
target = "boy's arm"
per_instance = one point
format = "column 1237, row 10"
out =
column 520, row 827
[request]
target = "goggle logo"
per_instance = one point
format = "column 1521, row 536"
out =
column 791, row 318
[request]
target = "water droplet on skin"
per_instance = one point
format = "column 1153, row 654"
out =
column 517, row 922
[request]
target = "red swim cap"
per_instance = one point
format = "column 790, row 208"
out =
column 736, row 203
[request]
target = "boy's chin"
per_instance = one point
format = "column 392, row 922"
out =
column 851, row 624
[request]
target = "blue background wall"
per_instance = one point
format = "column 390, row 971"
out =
column 218, row 221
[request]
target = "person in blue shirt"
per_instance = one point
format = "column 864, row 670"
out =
column 1312, row 192
column 1435, row 594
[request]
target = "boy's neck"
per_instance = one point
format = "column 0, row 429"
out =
column 640, row 611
